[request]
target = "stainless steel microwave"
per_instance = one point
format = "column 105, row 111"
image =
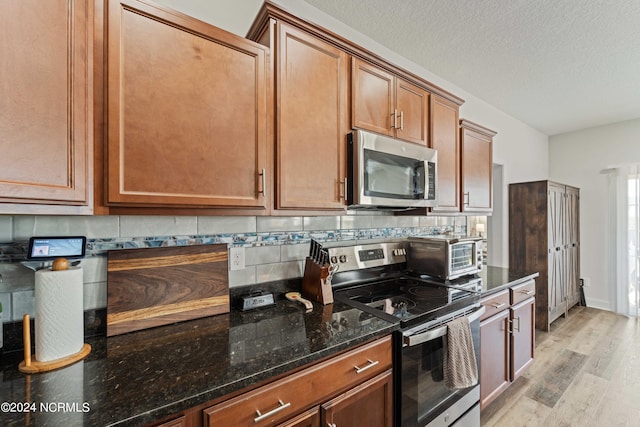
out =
column 383, row 172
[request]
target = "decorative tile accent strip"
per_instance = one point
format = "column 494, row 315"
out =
column 16, row 251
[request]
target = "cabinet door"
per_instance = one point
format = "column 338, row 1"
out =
column 476, row 164
column 373, row 98
column 311, row 418
column 494, row 357
column 312, row 111
column 556, row 210
column 522, row 337
column 369, row 404
column 186, row 111
column 445, row 139
column 46, row 106
column 556, row 285
column 572, row 244
column 412, row 103
column 556, row 214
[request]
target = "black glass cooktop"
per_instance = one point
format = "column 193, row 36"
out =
column 410, row 300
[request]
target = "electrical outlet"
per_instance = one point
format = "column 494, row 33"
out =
column 236, row 258
column 586, row 282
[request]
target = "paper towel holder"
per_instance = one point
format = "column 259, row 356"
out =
column 31, row 366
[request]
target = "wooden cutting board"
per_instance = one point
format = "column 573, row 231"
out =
column 157, row 286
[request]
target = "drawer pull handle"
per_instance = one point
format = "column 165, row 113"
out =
column 498, row 305
column 370, row 365
column 513, row 327
column 529, row 292
column 261, row 416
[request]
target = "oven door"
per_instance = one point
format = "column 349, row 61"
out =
column 424, row 399
column 463, row 258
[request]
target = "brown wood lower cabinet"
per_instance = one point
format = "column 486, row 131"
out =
column 338, row 391
column 369, row 404
column 507, row 339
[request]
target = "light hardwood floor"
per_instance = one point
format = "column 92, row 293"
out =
column 586, row 373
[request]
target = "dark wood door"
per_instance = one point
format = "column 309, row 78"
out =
column 369, row 404
column 46, row 106
column 522, row 337
column 494, row 357
column 187, row 111
column 312, row 121
column 412, row 104
column 476, row 149
column 445, row 139
column 373, row 98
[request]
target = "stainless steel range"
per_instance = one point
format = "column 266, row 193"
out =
column 374, row 279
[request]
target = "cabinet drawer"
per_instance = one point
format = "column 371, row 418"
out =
column 282, row 399
column 495, row 303
column 522, row 292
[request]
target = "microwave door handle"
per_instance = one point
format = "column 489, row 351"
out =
column 410, row 341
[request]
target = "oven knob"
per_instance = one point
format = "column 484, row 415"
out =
column 334, row 259
column 343, row 258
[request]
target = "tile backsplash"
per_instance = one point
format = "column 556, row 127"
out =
column 275, row 247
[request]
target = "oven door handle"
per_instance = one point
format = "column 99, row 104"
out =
column 431, row 334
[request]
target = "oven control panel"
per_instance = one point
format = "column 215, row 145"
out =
column 357, row 257
column 371, row 254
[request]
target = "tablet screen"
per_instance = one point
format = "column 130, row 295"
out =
column 56, row 247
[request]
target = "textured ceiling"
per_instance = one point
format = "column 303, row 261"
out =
column 557, row 65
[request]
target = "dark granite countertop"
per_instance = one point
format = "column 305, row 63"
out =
column 495, row 279
column 140, row 377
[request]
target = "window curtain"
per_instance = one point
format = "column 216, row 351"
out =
column 623, row 226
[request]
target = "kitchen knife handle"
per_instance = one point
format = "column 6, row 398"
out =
column 261, row 416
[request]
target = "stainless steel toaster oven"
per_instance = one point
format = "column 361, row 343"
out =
column 444, row 257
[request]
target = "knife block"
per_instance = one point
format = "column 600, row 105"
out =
column 315, row 285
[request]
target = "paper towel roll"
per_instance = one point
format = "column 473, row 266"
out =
column 59, row 319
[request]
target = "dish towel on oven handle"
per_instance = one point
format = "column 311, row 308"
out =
column 460, row 367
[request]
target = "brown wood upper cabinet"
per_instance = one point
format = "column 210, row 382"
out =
column 476, row 144
column 445, row 139
column 46, row 107
column 187, row 112
column 311, row 121
column 389, row 105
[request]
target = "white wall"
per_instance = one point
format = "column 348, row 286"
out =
column 522, row 150
column 576, row 159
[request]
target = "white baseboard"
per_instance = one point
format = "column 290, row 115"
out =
column 602, row 304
